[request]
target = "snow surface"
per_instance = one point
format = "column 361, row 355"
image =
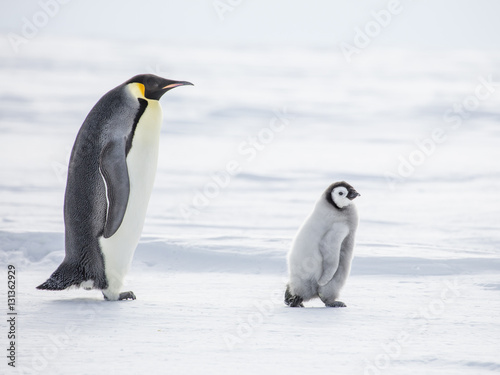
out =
column 210, row 270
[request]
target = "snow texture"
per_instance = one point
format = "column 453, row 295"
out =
column 244, row 154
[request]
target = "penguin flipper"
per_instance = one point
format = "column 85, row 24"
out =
column 113, row 167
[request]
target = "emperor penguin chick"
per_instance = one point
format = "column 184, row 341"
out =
column 110, row 179
column 319, row 261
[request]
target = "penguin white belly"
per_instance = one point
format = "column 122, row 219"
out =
column 142, row 159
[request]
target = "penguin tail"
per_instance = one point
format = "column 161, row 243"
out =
column 52, row 284
column 64, row 277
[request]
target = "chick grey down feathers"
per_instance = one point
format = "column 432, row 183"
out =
column 320, row 258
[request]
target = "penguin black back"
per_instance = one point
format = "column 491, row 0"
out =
column 85, row 198
column 110, row 178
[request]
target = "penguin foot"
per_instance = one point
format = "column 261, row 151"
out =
column 122, row 296
column 296, row 304
column 127, row 295
column 336, row 304
column 292, row 300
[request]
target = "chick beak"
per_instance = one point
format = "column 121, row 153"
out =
column 352, row 194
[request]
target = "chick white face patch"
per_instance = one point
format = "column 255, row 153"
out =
column 339, row 196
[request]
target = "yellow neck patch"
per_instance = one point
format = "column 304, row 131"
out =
column 137, row 89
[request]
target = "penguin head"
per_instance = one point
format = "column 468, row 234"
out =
column 340, row 194
column 153, row 87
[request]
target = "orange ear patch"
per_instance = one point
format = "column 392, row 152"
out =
column 141, row 88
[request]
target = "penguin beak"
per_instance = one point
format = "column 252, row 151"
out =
column 352, row 194
column 175, row 84
column 166, row 86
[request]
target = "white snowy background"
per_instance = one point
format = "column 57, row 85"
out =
column 411, row 121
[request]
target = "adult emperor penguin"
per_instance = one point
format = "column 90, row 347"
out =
column 110, row 178
column 319, row 261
